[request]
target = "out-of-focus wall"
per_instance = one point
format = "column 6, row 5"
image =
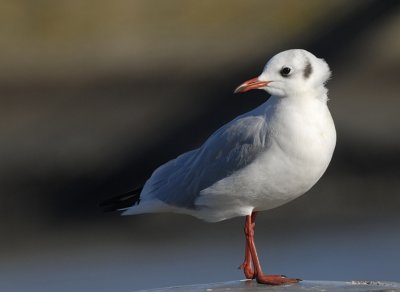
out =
column 95, row 95
column 87, row 86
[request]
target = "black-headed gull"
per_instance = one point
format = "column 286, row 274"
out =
column 259, row 161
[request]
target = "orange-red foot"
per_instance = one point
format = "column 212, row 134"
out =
column 275, row 280
column 247, row 270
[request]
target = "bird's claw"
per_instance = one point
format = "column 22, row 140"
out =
column 276, row 280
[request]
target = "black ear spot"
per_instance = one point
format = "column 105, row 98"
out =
column 307, row 70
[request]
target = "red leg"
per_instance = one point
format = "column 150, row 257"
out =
column 247, row 265
column 258, row 273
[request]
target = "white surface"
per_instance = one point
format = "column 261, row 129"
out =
column 323, row 286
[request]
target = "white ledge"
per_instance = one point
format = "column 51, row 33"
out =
column 325, row 286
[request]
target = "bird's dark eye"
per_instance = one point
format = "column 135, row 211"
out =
column 285, row 71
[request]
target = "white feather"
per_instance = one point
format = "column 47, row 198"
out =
column 260, row 160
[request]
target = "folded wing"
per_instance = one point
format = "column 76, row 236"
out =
column 231, row 148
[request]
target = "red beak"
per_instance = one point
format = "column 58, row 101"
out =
column 254, row 83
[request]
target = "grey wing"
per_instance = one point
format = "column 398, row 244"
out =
column 232, row 147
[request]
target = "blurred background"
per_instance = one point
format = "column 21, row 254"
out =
column 95, row 95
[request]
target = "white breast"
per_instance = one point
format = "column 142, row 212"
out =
column 302, row 144
column 302, row 138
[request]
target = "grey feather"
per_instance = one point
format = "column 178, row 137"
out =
column 229, row 149
column 307, row 70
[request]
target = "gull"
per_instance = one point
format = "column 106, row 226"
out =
column 259, row 161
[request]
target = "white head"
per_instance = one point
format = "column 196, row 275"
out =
column 291, row 73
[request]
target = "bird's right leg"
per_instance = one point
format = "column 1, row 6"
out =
column 247, row 265
column 258, row 273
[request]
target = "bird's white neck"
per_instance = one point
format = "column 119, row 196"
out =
column 303, row 96
column 319, row 93
column 289, row 105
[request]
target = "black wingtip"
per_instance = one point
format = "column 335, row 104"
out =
column 122, row 201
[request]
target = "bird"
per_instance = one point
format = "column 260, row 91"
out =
column 260, row 160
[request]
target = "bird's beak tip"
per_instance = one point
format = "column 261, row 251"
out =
column 238, row 89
